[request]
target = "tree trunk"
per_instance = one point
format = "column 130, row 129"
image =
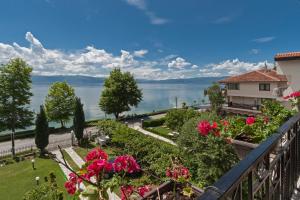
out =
column 117, row 116
column 62, row 123
column 13, row 142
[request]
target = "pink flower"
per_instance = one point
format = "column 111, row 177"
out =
column 250, row 120
column 225, row 123
column 96, row 154
column 96, row 166
column 185, row 173
column 266, row 120
column 126, row 192
column 286, row 97
column 70, row 187
column 204, row 127
column 214, row 125
column 143, row 190
column 295, row 94
column 126, row 163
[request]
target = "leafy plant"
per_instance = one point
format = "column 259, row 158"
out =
column 60, row 102
column 177, row 117
column 41, row 131
column 215, row 97
column 15, row 94
column 120, row 93
column 154, row 122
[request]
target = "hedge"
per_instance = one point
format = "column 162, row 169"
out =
column 154, row 122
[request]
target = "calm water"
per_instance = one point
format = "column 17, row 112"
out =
column 155, row 97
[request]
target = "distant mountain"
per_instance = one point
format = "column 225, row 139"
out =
column 88, row 80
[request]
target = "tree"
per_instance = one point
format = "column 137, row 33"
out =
column 120, row 92
column 60, row 102
column 15, row 85
column 41, row 130
column 177, row 117
column 79, row 119
column 215, row 97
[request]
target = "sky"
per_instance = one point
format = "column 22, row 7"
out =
column 153, row 39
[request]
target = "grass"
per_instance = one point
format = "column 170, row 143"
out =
column 18, row 178
column 82, row 151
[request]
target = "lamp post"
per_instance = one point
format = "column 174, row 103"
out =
column 37, row 179
column 72, row 137
column 33, row 162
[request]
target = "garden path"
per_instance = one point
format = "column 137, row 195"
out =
column 140, row 129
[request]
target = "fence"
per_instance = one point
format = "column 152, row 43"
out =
column 270, row 171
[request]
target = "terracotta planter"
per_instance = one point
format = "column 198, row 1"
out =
column 166, row 188
column 243, row 148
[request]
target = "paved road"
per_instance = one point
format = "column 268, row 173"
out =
column 26, row 142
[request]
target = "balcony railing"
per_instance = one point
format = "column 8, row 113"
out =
column 270, row 171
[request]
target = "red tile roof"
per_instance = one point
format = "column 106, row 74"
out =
column 256, row 76
column 287, row 56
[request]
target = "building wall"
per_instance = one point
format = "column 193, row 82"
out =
column 291, row 69
column 252, row 90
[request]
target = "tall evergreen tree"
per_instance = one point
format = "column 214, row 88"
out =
column 15, row 85
column 79, row 119
column 41, row 130
column 120, row 93
column 60, row 102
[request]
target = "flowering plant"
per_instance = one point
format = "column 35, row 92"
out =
column 101, row 175
column 180, row 176
column 295, row 99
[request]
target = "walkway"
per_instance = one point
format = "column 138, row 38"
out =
column 140, row 129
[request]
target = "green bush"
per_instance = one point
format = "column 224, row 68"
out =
column 207, row 158
column 152, row 154
column 177, row 117
column 154, row 122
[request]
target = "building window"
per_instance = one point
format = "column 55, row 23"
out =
column 264, row 87
column 233, row 86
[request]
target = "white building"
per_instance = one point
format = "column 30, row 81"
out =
column 249, row 89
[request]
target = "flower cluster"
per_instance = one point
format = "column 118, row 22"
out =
column 293, row 95
column 126, row 163
column 128, row 190
column 250, row 120
column 204, row 128
column 178, row 172
column 97, row 165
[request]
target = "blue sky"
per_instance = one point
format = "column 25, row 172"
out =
column 154, row 39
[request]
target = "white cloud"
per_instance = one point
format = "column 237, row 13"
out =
column 231, row 67
column 178, row 63
column 223, row 20
column 140, row 53
column 264, row 39
column 254, row 51
column 92, row 61
column 141, row 5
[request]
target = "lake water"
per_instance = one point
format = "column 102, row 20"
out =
column 155, row 97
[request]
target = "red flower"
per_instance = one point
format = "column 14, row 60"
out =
column 225, row 123
column 185, row 173
column 215, row 125
column 126, row 163
column 266, row 120
column 295, row 94
column 143, row 190
column 250, row 120
column 96, row 167
column 126, row 192
column 168, row 173
column 286, row 97
column 96, row 154
column 204, row 127
column 70, row 187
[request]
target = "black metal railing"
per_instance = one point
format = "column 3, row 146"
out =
column 270, row 171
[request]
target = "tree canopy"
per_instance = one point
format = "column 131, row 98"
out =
column 41, row 130
column 120, row 93
column 60, row 102
column 215, row 96
column 15, row 85
column 79, row 119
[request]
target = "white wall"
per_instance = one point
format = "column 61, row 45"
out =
column 291, row 69
column 252, row 90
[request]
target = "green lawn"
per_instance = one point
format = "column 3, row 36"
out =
column 82, row 152
column 16, row 179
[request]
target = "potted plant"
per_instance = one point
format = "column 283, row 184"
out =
column 294, row 98
column 177, row 187
column 102, row 176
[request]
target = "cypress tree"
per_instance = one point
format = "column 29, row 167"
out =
column 79, row 119
column 41, row 130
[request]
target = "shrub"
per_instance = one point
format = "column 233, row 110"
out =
column 153, row 155
column 107, row 126
column 154, row 122
column 177, row 117
column 208, row 158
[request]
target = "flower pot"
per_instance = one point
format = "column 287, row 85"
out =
column 165, row 192
column 242, row 148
